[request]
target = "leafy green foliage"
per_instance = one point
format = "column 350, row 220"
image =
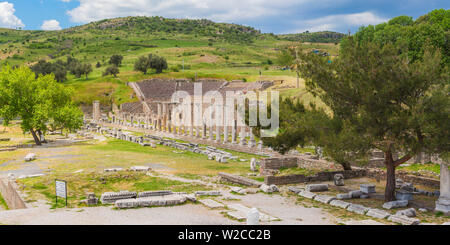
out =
column 111, row 70
column 414, row 36
column 116, row 60
column 45, row 68
column 315, row 37
column 150, row 62
column 40, row 102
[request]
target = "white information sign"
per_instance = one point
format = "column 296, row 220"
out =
column 61, row 189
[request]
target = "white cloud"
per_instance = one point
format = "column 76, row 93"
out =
column 230, row 10
column 338, row 22
column 50, row 25
column 7, row 17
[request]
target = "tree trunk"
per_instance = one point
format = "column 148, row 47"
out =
column 346, row 165
column 389, row 194
column 35, row 137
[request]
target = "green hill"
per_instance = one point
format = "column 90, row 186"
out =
column 193, row 48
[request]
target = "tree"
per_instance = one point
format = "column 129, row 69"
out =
column 116, row 60
column 150, row 62
column 158, row 63
column 142, row 64
column 41, row 103
column 44, row 68
column 112, row 70
column 396, row 104
column 80, row 69
column 98, row 65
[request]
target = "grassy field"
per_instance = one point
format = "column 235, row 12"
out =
column 92, row 157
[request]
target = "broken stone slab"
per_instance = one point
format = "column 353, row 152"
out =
column 208, row 193
column 355, row 194
column 211, row 203
column 243, row 210
column 236, row 189
column 307, row 194
column 378, row 213
column 140, row 168
column 364, row 196
column 395, row 204
column 317, row 187
column 343, row 196
column 113, row 170
column 111, row 197
column 410, row 212
column 30, row 157
column 359, row 209
column 324, row 198
column 269, row 189
column 340, row 204
column 191, row 197
column 240, row 180
column 249, row 191
column 237, row 215
column 151, row 201
column 367, row 188
column 154, row 193
column 404, row 220
column 294, row 189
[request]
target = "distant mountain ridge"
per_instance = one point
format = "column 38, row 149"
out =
column 314, row 37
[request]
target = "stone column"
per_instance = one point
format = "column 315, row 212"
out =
column 252, row 142
column 204, row 131
column 242, row 137
column 217, row 133
column 96, row 115
column 225, row 134
column 210, row 132
column 443, row 203
column 233, row 132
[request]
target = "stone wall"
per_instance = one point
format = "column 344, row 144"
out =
column 12, row 198
column 278, row 163
column 322, row 176
column 419, row 180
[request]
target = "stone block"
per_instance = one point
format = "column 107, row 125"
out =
column 404, row 195
column 359, row 209
column 208, row 193
column 324, row 198
column 294, row 189
column 404, row 220
column 355, row 194
column 30, row 157
column 367, row 189
column 378, row 213
column 340, row 204
column 111, row 197
column 410, row 212
column 338, row 179
column 307, row 194
column 154, row 193
column 395, row 204
column 344, row 196
column 211, row 203
column 317, row 187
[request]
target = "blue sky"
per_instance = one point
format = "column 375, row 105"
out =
column 280, row 16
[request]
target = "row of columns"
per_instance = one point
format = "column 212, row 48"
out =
column 162, row 121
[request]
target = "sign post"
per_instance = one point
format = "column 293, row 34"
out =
column 61, row 190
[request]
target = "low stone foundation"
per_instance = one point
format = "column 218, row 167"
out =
column 240, row 180
column 322, row 176
column 418, row 180
column 9, row 193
